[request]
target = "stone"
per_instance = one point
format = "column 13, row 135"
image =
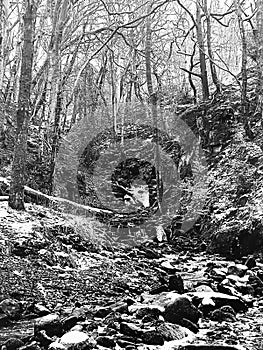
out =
column 49, row 323
column 219, row 315
column 13, row 343
column 216, row 300
column 228, row 309
column 130, row 329
column 43, row 339
column 218, row 273
column 125, row 344
column 142, row 310
column 11, row 308
column 193, row 327
column 251, row 262
column 69, row 322
column 105, row 341
column 237, row 269
column 203, row 288
column 159, row 289
column 78, row 327
column 102, row 312
column 181, row 308
column 176, row 284
column 73, row 338
column 31, row 346
column 170, row 331
column 151, row 254
column 41, row 310
column 4, row 320
column 209, row 347
column 56, row 346
column 168, row 267
column 152, row 337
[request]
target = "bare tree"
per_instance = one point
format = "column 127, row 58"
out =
column 16, row 196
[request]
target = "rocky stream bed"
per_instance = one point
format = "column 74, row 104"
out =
column 60, row 291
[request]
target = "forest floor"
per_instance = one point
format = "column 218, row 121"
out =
column 60, row 291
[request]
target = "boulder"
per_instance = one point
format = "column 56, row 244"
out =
column 76, row 340
column 170, row 331
column 11, row 308
column 49, row 323
column 216, row 300
column 179, row 309
column 107, row 342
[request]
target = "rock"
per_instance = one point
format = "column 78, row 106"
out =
column 251, row 262
column 102, row 312
column 105, row 341
column 168, row 267
column 13, row 343
column 43, row 339
column 69, row 322
column 41, row 310
column 216, row 300
column 56, row 346
column 203, row 288
column 121, row 307
column 218, row 273
column 237, row 269
column 50, row 323
column 77, row 340
column 159, row 289
column 11, row 308
column 78, row 327
column 79, row 313
column 189, row 325
column 126, row 344
column 152, row 337
column 170, row 331
column 142, row 310
column 176, row 283
column 219, row 315
column 209, row 347
column 4, row 320
column 176, row 306
column 228, row 309
column 31, row 346
column 151, row 254
column 181, row 308
column 130, row 329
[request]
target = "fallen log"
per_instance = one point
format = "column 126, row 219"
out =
column 42, row 198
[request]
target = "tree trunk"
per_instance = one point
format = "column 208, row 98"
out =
column 259, row 38
column 209, row 48
column 153, row 103
column 16, row 196
column 200, row 41
column 244, row 102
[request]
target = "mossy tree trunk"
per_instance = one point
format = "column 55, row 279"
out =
column 18, row 175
